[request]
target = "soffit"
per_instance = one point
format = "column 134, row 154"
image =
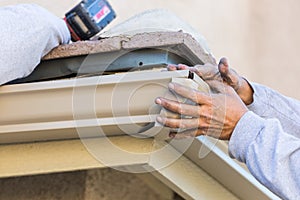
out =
column 182, row 175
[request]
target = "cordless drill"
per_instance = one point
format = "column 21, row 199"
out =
column 88, row 18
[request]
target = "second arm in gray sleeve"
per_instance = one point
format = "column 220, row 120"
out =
column 271, row 104
column 28, row 32
column 271, row 154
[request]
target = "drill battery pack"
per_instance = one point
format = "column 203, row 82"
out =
column 88, row 18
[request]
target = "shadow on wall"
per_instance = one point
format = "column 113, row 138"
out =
column 82, row 185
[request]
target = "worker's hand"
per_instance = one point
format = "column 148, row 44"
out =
column 215, row 114
column 224, row 73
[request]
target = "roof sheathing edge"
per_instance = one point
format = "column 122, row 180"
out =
column 191, row 44
column 138, row 41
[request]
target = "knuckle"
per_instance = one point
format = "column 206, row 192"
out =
column 167, row 104
column 195, row 96
column 174, row 106
column 199, row 132
column 183, row 125
column 199, row 97
column 198, row 111
column 181, row 110
column 171, row 123
column 210, row 100
column 208, row 113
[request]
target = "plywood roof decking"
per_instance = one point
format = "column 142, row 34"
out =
column 179, row 42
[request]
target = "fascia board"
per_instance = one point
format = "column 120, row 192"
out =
column 68, row 155
column 204, row 165
column 206, row 154
column 185, row 177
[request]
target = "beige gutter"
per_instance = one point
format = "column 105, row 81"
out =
column 53, row 110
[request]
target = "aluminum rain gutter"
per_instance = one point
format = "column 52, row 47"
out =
column 119, row 104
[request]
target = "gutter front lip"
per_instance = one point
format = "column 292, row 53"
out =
column 92, row 81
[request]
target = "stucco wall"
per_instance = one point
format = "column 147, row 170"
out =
column 104, row 184
column 261, row 37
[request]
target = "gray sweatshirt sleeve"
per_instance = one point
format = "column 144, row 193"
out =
column 271, row 104
column 268, row 141
column 28, row 32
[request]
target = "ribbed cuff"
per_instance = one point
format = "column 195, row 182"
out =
column 244, row 134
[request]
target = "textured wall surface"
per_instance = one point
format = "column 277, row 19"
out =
column 111, row 184
column 52, row 186
column 260, row 37
column 104, row 184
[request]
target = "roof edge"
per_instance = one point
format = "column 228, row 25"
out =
column 138, row 41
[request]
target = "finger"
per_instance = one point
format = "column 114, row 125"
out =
column 207, row 72
column 196, row 71
column 212, row 132
column 181, row 108
column 172, row 67
column 230, row 76
column 182, row 67
column 224, row 70
column 194, row 95
column 178, row 123
column 224, row 66
column 187, row 134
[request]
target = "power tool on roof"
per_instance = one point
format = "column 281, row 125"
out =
column 88, row 18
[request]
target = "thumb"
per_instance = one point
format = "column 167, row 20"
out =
column 224, row 67
column 230, row 76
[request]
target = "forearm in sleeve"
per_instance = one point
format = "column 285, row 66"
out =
column 28, row 32
column 271, row 155
column 271, row 104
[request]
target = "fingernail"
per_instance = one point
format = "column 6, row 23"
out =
column 171, row 67
column 159, row 119
column 224, row 61
column 158, row 101
column 182, row 67
column 171, row 86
